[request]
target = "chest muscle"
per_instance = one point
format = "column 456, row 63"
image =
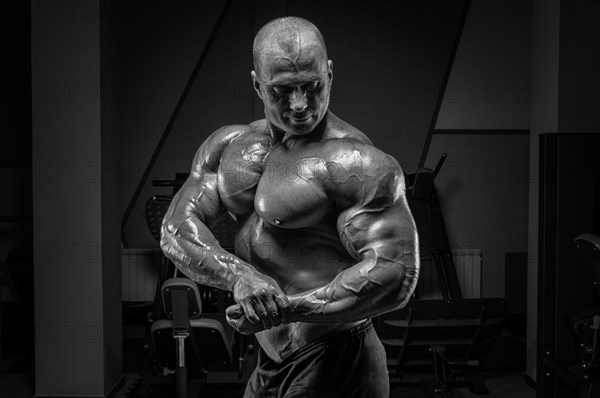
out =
column 240, row 169
column 284, row 190
column 289, row 193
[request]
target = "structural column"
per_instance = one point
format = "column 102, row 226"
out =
column 78, row 345
column 544, row 119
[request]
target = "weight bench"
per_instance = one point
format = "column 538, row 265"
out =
column 443, row 337
column 187, row 344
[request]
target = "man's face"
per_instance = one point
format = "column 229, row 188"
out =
column 294, row 85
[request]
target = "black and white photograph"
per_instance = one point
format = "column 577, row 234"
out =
column 300, row 199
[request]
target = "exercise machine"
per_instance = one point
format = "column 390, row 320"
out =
column 583, row 375
column 445, row 340
column 438, row 344
column 434, row 244
column 188, row 342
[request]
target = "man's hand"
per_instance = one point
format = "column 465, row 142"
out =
column 261, row 300
column 237, row 319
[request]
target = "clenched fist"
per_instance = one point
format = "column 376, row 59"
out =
column 237, row 319
column 261, row 301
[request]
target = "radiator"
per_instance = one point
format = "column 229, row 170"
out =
column 468, row 269
column 140, row 269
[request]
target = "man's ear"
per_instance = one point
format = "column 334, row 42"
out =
column 330, row 71
column 256, row 84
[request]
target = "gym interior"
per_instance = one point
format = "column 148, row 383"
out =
column 490, row 107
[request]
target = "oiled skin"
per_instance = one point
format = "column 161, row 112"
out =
column 323, row 217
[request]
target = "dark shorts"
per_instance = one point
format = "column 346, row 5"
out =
column 351, row 363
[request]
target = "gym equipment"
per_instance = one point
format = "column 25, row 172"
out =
column 423, row 180
column 588, row 251
column 443, row 340
column 188, row 339
column 569, row 204
column 583, row 377
column 434, row 245
column 448, row 338
column 185, row 343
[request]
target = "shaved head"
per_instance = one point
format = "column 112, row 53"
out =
column 292, row 75
column 286, row 37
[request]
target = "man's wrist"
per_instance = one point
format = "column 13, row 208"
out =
column 238, row 271
column 232, row 281
column 290, row 317
column 296, row 312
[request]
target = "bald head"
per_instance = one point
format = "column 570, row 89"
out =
column 286, row 38
column 292, row 75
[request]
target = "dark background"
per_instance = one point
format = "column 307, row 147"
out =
column 522, row 68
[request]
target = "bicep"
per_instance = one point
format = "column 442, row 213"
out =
column 387, row 232
column 198, row 197
column 379, row 220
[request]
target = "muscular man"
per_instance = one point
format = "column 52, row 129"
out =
column 326, row 239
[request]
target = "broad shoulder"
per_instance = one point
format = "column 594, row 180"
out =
column 210, row 151
column 225, row 135
column 353, row 154
column 347, row 148
column 358, row 172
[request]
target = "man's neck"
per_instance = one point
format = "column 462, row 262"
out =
column 288, row 139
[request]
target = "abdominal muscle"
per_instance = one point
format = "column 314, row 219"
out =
column 299, row 260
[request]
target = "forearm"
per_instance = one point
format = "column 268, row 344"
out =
column 372, row 287
column 190, row 245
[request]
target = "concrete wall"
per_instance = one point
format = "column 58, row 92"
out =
column 490, row 87
column 483, row 193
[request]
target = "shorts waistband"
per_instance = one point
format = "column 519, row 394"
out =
column 344, row 334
